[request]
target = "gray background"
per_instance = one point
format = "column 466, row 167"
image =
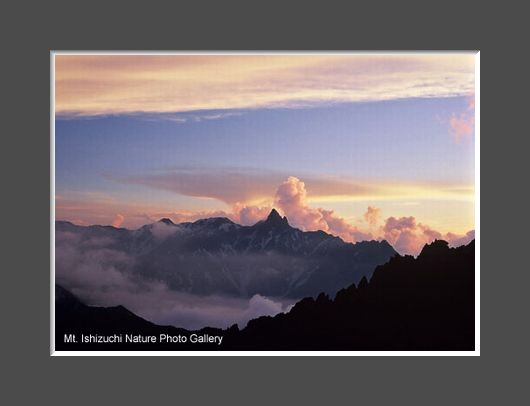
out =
column 29, row 31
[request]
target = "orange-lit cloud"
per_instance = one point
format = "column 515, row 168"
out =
column 118, row 220
column 118, row 84
column 405, row 233
column 291, row 199
column 248, row 215
column 228, row 186
column 247, row 185
column 372, row 215
column 408, row 236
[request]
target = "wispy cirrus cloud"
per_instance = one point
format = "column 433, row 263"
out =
column 196, row 117
column 91, row 85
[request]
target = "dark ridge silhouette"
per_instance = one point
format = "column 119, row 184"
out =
column 427, row 303
column 275, row 220
column 167, row 221
column 74, row 317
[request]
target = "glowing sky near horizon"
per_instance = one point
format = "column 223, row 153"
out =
column 142, row 137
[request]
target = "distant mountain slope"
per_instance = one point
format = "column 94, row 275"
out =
column 217, row 256
column 426, row 303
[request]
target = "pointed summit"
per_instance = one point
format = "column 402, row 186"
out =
column 274, row 219
column 274, row 216
column 166, row 221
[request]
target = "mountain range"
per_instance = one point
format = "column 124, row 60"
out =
column 423, row 303
column 218, row 256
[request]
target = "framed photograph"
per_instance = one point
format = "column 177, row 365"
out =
column 265, row 203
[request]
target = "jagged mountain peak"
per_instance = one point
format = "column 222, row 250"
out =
column 274, row 219
column 273, row 215
column 437, row 247
column 217, row 256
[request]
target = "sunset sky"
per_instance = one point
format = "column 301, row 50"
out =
column 360, row 146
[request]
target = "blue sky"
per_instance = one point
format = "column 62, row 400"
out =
column 141, row 137
column 403, row 140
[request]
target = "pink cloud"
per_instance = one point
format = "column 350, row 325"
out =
column 291, row 199
column 403, row 234
column 408, row 237
column 406, row 234
column 118, row 220
column 456, row 240
column 463, row 125
column 341, row 228
column 248, row 215
column 372, row 215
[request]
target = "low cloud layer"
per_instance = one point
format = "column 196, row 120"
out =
column 100, row 275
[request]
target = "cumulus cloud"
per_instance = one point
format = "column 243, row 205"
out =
column 248, row 215
column 291, row 199
column 372, row 215
column 403, row 233
column 407, row 236
column 243, row 195
column 118, row 220
column 456, row 240
column 97, row 269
